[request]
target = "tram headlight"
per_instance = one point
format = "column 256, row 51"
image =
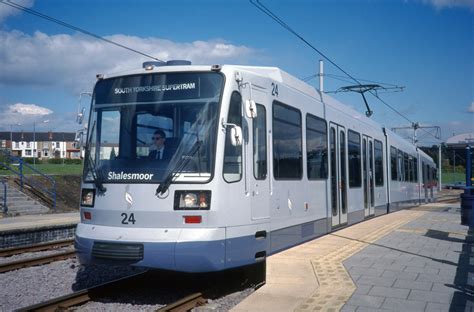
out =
column 87, row 197
column 192, row 200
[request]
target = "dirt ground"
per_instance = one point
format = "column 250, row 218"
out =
column 68, row 192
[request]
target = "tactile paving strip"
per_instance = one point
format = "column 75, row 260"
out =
column 335, row 284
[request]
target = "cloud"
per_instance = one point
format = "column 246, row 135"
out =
column 471, row 108
column 74, row 60
column 6, row 11
column 22, row 116
column 29, row 109
column 441, row 4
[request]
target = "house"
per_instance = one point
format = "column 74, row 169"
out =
column 40, row 144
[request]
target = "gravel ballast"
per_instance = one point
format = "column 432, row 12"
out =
column 28, row 286
column 24, row 287
column 31, row 255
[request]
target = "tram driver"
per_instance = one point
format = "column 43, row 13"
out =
column 159, row 151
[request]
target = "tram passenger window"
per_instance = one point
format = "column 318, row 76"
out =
column 401, row 167
column 355, row 176
column 393, row 163
column 415, row 168
column 406, row 167
column 378, row 153
column 287, row 142
column 410, row 168
column 430, row 175
column 233, row 154
column 316, row 148
column 425, row 174
column 260, row 144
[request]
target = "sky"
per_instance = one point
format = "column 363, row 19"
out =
column 427, row 46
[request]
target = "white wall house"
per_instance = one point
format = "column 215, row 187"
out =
column 41, row 144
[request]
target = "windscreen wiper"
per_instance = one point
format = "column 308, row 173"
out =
column 180, row 165
column 92, row 165
column 97, row 178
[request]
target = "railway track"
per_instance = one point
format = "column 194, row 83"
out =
column 39, row 247
column 15, row 265
column 185, row 304
column 83, row 296
column 189, row 290
column 449, row 199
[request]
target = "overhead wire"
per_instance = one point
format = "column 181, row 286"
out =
column 256, row 3
column 273, row 16
column 277, row 19
column 72, row 27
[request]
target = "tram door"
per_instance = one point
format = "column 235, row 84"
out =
column 368, row 175
column 338, row 174
column 257, row 183
column 424, row 183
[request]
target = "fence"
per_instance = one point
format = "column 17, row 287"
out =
column 40, row 184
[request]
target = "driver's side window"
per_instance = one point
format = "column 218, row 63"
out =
column 233, row 154
column 109, row 135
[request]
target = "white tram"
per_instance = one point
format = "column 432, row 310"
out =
column 259, row 161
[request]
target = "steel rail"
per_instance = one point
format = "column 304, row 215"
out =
column 79, row 297
column 7, row 252
column 15, row 265
column 185, row 304
column 448, row 199
column 61, row 303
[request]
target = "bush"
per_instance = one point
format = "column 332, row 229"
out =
column 31, row 161
column 73, row 161
column 55, row 161
column 66, row 161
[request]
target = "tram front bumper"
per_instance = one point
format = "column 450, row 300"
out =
column 185, row 250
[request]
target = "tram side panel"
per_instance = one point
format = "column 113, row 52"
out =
column 356, row 174
column 298, row 204
column 404, row 185
column 246, row 236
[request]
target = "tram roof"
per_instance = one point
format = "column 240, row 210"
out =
column 275, row 74
column 287, row 79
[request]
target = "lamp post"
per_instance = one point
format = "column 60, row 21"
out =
column 11, row 135
column 35, row 150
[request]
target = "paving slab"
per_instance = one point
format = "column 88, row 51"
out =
column 38, row 221
column 329, row 285
column 436, row 276
column 411, row 260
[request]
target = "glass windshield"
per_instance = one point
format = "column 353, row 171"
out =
column 145, row 127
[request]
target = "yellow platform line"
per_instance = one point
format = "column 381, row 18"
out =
column 335, row 284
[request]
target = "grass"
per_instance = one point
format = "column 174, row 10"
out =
column 72, row 169
column 50, row 169
column 450, row 177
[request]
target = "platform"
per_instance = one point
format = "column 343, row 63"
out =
column 419, row 259
column 33, row 229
